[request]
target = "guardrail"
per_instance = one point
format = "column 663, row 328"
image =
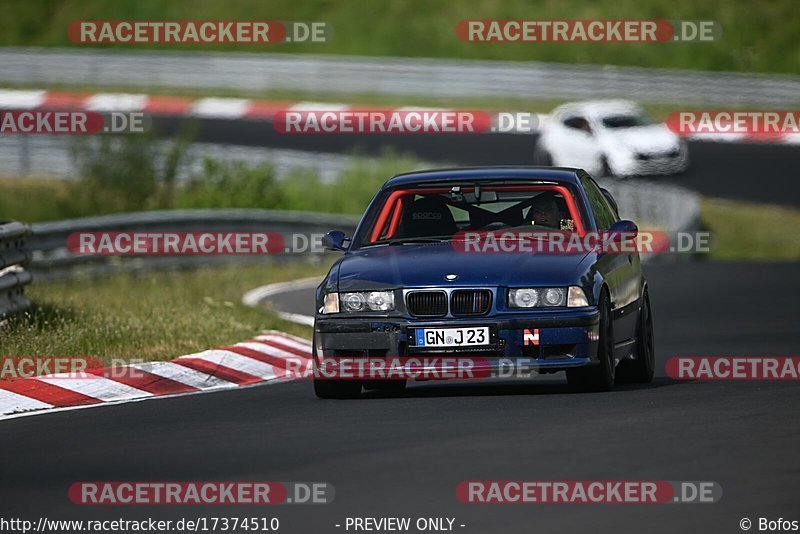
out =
column 652, row 205
column 388, row 75
column 13, row 276
column 655, row 205
column 51, row 259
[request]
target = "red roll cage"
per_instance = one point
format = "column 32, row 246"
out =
column 392, row 209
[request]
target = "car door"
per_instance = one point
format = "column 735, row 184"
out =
column 620, row 269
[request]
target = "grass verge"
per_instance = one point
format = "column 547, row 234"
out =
column 755, row 36
column 33, row 199
column 747, row 231
column 153, row 316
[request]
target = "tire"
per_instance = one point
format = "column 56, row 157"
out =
column 385, row 385
column 599, row 377
column 332, row 388
column 642, row 368
column 337, row 389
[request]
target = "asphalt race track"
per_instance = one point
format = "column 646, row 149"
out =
column 756, row 172
column 403, row 456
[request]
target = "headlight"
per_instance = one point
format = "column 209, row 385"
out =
column 545, row 297
column 523, row 298
column 554, row 296
column 359, row 301
column 380, row 300
column 353, row 301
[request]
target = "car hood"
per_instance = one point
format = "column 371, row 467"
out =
column 407, row 266
column 651, row 139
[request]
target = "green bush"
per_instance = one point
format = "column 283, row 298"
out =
column 230, row 185
column 136, row 173
column 117, row 174
column 353, row 190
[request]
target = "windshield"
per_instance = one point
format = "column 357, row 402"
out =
column 626, row 121
column 438, row 214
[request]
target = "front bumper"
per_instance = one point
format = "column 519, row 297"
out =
column 656, row 165
column 564, row 339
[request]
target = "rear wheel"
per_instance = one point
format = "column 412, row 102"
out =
column 599, row 377
column 641, row 369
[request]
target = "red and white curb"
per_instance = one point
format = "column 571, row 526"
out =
column 175, row 106
column 243, row 108
column 271, row 357
column 256, row 297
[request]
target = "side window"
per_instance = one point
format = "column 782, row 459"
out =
column 577, row 123
column 461, row 216
column 603, row 214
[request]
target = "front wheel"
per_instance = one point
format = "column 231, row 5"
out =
column 333, row 388
column 641, row 369
column 337, row 389
column 599, row 377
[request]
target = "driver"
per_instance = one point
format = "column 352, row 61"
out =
column 545, row 212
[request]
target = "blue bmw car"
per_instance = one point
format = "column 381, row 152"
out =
column 465, row 262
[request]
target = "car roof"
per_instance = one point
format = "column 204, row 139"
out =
column 499, row 172
column 598, row 107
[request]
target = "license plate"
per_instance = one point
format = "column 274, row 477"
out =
column 452, row 337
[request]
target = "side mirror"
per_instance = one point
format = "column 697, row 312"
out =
column 335, row 240
column 611, row 200
column 623, row 230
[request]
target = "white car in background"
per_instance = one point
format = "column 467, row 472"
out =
column 609, row 138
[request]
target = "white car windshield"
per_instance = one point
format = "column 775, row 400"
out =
column 626, row 121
